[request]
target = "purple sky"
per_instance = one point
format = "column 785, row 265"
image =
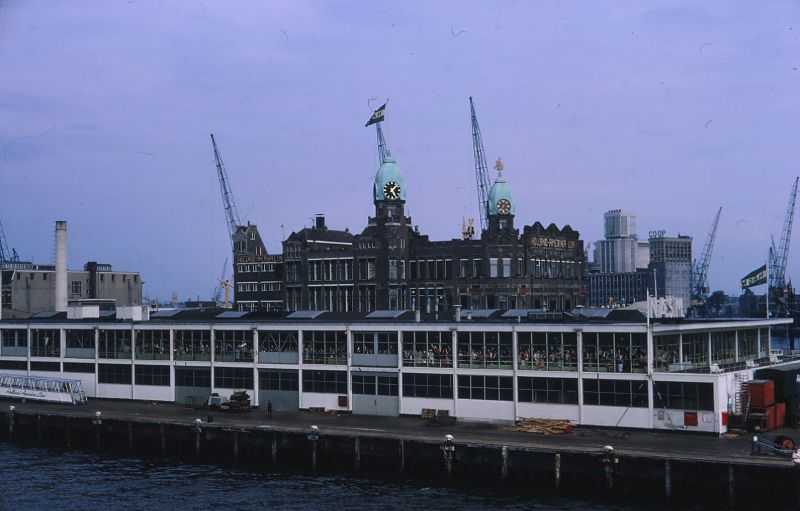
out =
column 667, row 109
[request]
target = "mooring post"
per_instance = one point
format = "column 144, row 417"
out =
column 198, row 431
column 163, row 436
column 274, row 447
column 448, row 449
column 38, row 429
column 557, row 470
column 98, row 423
column 130, row 436
column 402, row 453
column 504, row 462
column 668, row 479
column 313, row 435
column 11, row 422
column 609, row 460
column 235, row 446
column 357, row 453
column 68, row 433
column 731, row 486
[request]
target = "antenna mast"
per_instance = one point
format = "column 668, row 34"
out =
column 481, row 172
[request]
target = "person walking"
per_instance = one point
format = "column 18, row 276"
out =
column 269, row 408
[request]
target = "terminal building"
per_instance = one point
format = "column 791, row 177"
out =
column 608, row 367
column 390, row 265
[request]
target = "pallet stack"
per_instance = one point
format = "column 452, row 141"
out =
column 542, row 426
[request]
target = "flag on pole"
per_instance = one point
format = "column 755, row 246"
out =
column 755, row 277
column 377, row 116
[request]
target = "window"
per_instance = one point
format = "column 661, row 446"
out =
column 233, row 377
column 614, row 352
column 53, row 367
column 192, row 345
column 375, row 385
column 427, row 349
column 75, row 287
column 325, row 382
column 493, row 267
column 233, row 345
column 115, row 344
column 114, row 373
column 152, row 344
column 15, row 338
column 684, row 395
column 324, row 347
column 551, row 351
column 626, row 393
column 384, row 343
column 275, row 379
column 491, row 388
column 193, row 377
column 277, row 341
column 428, row 385
column 485, row 350
column 548, row 390
column 78, row 367
column 45, row 343
column 152, row 375
column 14, row 365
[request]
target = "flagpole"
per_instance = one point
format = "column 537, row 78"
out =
column 766, row 295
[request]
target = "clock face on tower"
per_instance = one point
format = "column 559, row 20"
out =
column 391, row 190
column 503, row 206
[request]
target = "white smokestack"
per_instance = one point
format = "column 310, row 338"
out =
column 61, row 265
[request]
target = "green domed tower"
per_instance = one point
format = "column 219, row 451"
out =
column 500, row 204
column 389, row 189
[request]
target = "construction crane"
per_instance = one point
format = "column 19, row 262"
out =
column 227, row 285
column 6, row 254
column 777, row 273
column 481, row 171
column 218, row 289
column 231, row 213
column 700, row 267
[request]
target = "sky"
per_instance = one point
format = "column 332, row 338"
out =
column 667, row 109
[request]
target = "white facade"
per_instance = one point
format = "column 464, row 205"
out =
column 594, row 373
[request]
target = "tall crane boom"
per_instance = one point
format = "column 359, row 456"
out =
column 5, row 253
column 778, row 272
column 231, row 213
column 481, row 171
column 700, row 270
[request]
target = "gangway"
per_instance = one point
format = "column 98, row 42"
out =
column 39, row 388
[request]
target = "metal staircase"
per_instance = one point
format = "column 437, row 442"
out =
column 742, row 403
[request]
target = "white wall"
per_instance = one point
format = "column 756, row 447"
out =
column 153, row 393
column 414, row 405
column 317, row 400
column 673, row 420
column 485, row 410
column 548, row 411
column 114, row 391
column 616, row 416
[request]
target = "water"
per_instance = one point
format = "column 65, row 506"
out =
column 35, row 478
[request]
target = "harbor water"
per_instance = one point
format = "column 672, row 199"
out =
column 33, row 478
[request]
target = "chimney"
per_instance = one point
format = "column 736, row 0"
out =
column 320, row 221
column 61, row 266
column 458, row 312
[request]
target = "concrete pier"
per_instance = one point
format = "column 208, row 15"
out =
column 451, row 455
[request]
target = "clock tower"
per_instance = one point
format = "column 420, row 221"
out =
column 389, row 191
column 501, row 206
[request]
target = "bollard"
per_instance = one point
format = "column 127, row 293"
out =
column 402, row 454
column 274, row 448
column 68, row 432
column 130, row 436
column 557, row 470
column 98, row 423
column 357, row 453
column 163, row 436
column 504, row 462
column 39, row 429
column 668, row 479
column 731, row 487
column 609, row 460
column 755, row 446
column 11, row 422
column 313, row 435
column 235, row 447
column 448, row 449
column 198, row 430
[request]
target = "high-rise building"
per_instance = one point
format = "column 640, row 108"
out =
column 621, row 251
column 671, row 261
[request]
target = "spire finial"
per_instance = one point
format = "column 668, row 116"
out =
column 498, row 165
